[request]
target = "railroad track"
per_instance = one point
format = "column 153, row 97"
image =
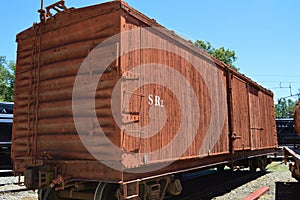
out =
column 4, row 184
column 21, row 187
column 10, row 186
column 14, row 190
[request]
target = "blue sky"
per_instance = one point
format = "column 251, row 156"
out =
column 265, row 34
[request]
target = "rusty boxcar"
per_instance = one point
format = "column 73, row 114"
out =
column 294, row 151
column 109, row 104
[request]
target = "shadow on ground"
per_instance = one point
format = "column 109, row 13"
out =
column 6, row 173
column 290, row 191
column 210, row 186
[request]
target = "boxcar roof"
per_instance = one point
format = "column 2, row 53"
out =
column 115, row 5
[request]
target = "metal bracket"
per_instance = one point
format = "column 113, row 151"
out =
column 58, row 7
column 234, row 136
column 258, row 129
column 131, row 190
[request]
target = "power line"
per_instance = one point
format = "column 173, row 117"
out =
column 294, row 95
column 298, row 82
column 287, row 76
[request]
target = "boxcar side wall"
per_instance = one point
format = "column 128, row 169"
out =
column 248, row 109
column 151, row 59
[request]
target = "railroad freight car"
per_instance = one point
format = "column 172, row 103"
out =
column 294, row 151
column 109, row 104
column 286, row 133
column 6, row 121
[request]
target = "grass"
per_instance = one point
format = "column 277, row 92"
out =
column 278, row 167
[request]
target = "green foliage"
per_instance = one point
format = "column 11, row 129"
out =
column 225, row 55
column 284, row 108
column 7, row 79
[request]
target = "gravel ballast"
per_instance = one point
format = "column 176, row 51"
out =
column 278, row 179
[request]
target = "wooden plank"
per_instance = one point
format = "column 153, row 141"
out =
column 258, row 193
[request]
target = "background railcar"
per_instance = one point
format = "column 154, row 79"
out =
column 294, row 150
column 286, row 133
column 6, row 121
column 110, row 104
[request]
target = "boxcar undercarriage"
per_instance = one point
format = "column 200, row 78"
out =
column 158, row 185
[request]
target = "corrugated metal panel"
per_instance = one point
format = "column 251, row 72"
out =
column 47, row 65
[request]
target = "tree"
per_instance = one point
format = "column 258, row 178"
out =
column 7, row 79
column 225, row 55
column 284, row 108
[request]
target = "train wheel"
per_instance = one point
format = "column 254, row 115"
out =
column 263, row 162
column 221, row 168
column 106, row 191
column 48, row 194
column 252, row 165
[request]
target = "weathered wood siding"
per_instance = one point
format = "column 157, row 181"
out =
column 47, row 64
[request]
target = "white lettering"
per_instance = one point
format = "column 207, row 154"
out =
column 155, row 100
column 150, row 99
column 162, row 103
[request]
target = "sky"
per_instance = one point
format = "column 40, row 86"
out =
column 265, row 34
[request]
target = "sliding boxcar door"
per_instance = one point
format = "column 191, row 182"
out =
column 240, row 114
column 254, row 112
